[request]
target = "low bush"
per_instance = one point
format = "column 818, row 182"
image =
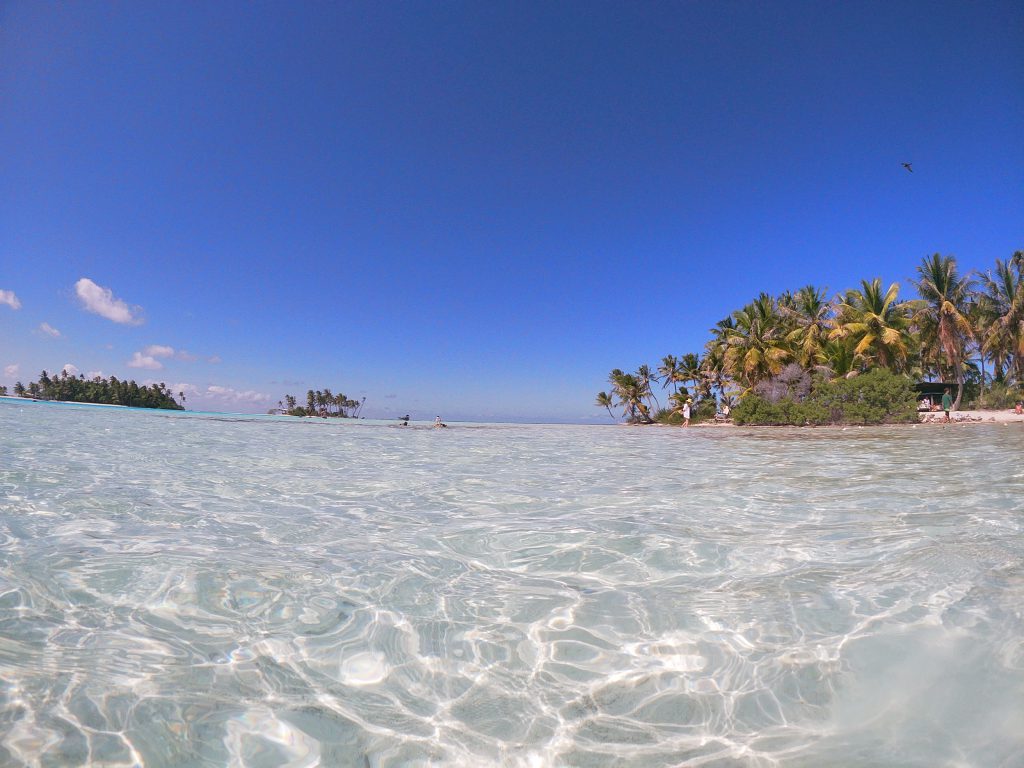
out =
column 876, row 397
column 999, row 396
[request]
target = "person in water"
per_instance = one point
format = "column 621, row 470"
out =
column 438, row 423
column 686, row 412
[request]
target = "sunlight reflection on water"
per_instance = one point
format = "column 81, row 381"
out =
column 180, row 590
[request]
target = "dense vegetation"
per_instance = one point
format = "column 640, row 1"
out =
column 321, row 403
column 112, row 391
column 803, row 358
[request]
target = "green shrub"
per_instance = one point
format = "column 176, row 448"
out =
column 876, row 397
column 704, row 410
column 667, row 416
column 754, row 409
column 1000, row 396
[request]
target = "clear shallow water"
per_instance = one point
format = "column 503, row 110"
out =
column 193, row 591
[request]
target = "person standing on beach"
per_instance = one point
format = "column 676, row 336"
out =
column 947, row 403
column 686, row 413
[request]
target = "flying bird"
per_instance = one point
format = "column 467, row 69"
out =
column 907, row 166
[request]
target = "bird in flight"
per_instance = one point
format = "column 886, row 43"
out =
column 907, row 166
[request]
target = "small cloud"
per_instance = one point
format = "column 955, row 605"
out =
column 101, row 301
column 214, row 359
column 157, row 350
column 49, row 330
column 95, row 375
column 183, row 386
column 10, row 371
column 182, row 354
column 70, row 369
column 8, row 298
column 229, row 394
column 148, row 362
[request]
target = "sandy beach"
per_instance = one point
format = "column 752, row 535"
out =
column 1006, row 416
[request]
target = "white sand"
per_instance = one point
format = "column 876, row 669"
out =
column 1006, row 416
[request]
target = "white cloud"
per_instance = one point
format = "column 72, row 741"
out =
column 163, row 350
column 214, row 359
column 95, row 375
column 8, row 298
column 49, row 330
column 190, row 390
column 158, row 350
column 10, row 371
column 229, row 394
column 101, row 301
column 148, row 362
column 70, row 369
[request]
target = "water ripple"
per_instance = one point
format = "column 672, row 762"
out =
column 187, row 591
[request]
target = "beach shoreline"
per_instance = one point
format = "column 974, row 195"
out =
column 973, row 416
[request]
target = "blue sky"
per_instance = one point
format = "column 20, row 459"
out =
column 476, row 209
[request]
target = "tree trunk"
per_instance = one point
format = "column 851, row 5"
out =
column 982, row 396
column 959, row 387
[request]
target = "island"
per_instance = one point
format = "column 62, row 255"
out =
column 864, row 356
column 98, row 391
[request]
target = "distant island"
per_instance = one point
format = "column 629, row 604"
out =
column 323, row 403
column 860, row 357
column 78, row 389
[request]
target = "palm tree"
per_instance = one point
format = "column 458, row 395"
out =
column 712, row 367
column 604, row 400
column 943, row 315
column 690, row 370
column 645, row 377
column 810, row 312
column 1002, row 317
column 630, row 393
column 755, row 347
column 715, row 350
column 876, row 323
column 840, row 361
column 669, row 370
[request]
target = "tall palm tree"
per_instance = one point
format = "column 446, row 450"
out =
column 630, row 393
column 1002, row 317
column 876, row 323
column 690, row 370
column 669, row 371
column 810, row 313
column 712, row 368
column 604, row 400
column 942, row 317
column 645, row 377
column 755, row 347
